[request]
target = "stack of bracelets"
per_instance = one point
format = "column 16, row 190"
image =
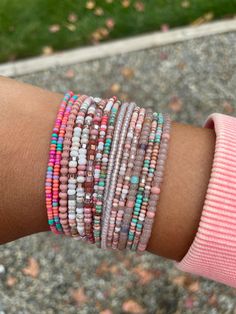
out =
column 105, row 169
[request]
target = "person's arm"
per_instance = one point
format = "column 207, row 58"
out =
column 27, row 115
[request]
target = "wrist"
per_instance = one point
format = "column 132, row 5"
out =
column 186, row 177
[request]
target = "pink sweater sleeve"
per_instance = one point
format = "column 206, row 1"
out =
column 213, row 251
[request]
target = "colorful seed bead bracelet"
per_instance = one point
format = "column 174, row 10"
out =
column 65, row 176
column 119, row 186
column 51, row 202
column 139, row 211
column 103, row 173
column 105, row 169
column 97, row 203
column 126, row 185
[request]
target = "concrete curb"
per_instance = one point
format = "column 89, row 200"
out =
column 116, row 47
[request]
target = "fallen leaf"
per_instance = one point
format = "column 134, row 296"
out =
column 179, row 280
column 32, row 269
column 90, row 5
column 127, row 72
column 103, row 31
column 79, row 296
column 110, row 23
column 181, row 65
column 71, row 27
column 99, row 34
column 47, row 50
column 11, row 281
column 114, row 269
column 70, row 73
column 139, row 6
column 125, row 3
column 99, row 12
column 102, row 268
column 228, row 108
column 194, row 286
column 203, row 19
column 96, row 36
column 212, row 300
column 133, row 307
column 165, row 28
column 176, row 104
column 185, row 4
column 187, row 282
column 209, row 16
column 115, row 87
column 198, row 21
column 126, row 262
column 54, row 28
column 72, row 17
column 145, row 276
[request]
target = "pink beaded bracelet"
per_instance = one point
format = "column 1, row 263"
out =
column 50, row 176
column 114, row 107
column 118, row 152
column 156, row 184
column 89, row 181
column 66, row 178
column 111, row 173
column 122, row 170
column 134, row 181
column 126, row 185
column 139, row 212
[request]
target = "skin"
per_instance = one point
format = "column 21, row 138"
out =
column 27, row 118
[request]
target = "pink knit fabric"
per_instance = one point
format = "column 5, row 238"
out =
column 213, row 251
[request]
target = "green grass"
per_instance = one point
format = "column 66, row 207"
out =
column 25, row 24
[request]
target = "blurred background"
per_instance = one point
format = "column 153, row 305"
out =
column 29, row 28
column 189, row 79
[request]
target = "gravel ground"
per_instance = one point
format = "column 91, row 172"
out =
column 48, row 274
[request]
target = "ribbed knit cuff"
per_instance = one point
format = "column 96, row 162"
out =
column 213, row 251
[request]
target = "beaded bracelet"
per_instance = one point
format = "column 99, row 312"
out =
column 105, row 168
column 150, row 166
column 89, row 181
column 73, row 164
column 126, row 185
column 134, row 181
column 51, row 162
column 112, row 171
column 120, row 180
column 82, row 165
column 97, row 204
column 118, row 153
column 139, row 212
column 65, row 179
column 103, row 173
column 155, row 190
